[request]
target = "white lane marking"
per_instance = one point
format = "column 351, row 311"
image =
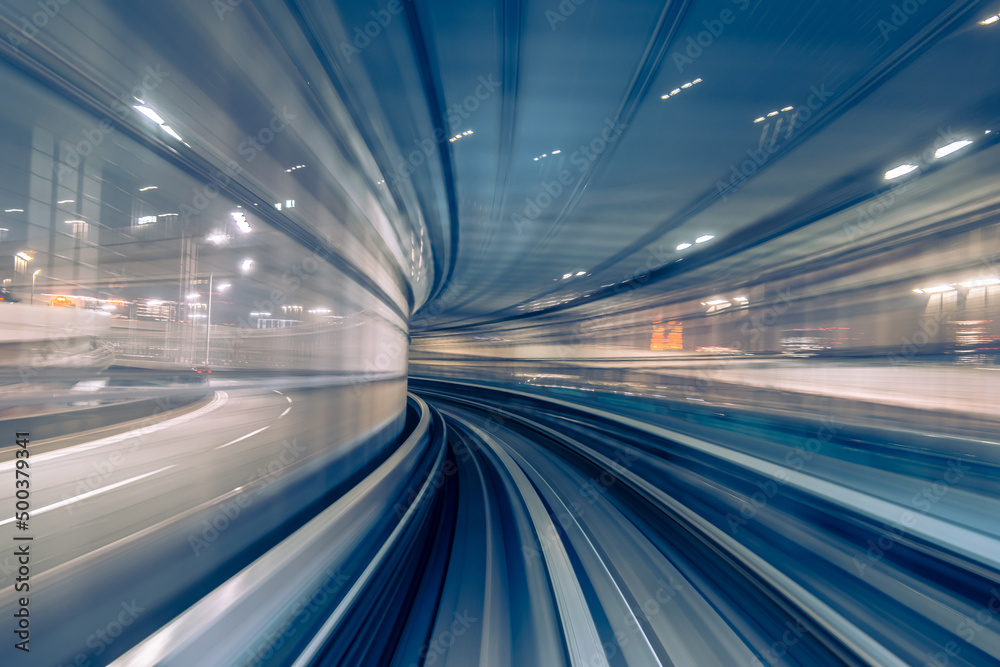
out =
column 217, row 402
column 287, row 410
column 90, row 494
column 233, row 442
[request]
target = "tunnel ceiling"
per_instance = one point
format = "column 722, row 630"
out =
column 583, row 142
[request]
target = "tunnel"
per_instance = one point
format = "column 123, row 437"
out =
column 535, row 333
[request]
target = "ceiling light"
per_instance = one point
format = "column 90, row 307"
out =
column 705, row 237
column 992, row 19
column 23, row 255
column 168, row 215
column 246, row 264
column 193, row 295
column 696, row 81
column 980, row 283
column 687, row 85
column 148, row 187
column 581, row 273
column 788, row 108
column 934, row 290
column 567, row 276
column 150, row 114
column 757, row 120
column 901, row 170
column 21, row 210
column 740, row 298
column 773, row 113
column 675, row 91
column 951, row 148
column 557, row 152
column 65, row 201
column 684, row 246
column 716, row 302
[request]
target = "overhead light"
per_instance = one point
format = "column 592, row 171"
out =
column 21, row 210
column 37, row 271
column 951, row 148
column 788, row 108
column 980, row 283
column 704, row 237
column 289, row 203
column 773, row 113
column 193, row 295
column 150, row 114
column 581, row 273
column 65, row 201
column 567, row 276
column 740, row 298
column 246, row 264
column 687, row 85
column 154, row 302
column 148, row 187
column 675, row 91
column 79, row 222
column 146, row 219
column 224, row 286
column 217, row 238
column 992, row 19
column 696, row 81
column 716, row 302
column 901, row 170
column 169, row 130
column 556, row 152
column 241, row 221
column 168, row 215
column 684, row 246
column 23, row 255
column 758, row 120
column 934, row 290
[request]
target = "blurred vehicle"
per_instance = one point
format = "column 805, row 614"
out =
column 7, row 296
column 62, row 302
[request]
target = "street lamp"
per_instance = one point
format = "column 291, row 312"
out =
column 33, row 276
column 208, row 320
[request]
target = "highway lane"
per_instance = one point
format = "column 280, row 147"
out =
column 206, row 486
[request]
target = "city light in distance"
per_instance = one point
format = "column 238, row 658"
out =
column 241, row 221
